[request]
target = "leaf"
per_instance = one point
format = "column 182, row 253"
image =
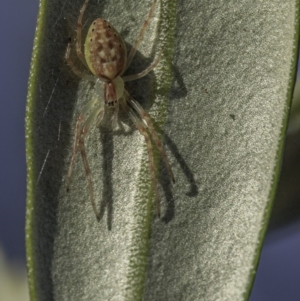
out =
column 221, row 95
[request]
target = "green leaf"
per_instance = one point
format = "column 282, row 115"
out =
column 221, row 95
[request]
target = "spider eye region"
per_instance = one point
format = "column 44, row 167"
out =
column 110, row 95
column 113, row 91
column 105, row 50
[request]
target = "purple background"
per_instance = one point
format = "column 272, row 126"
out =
column 278, row 276
column 18, row 20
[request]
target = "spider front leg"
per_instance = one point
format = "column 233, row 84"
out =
column 144, row 115
column 74, row 68
column 115, row 118
column 79, row 29
column 140, row 36
column 78, row 128
column 81, row 130
column 144, row 72
column 75, row 149
column 97, row 113
column 142, row 129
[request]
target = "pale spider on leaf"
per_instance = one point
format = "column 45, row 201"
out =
column 105, row 55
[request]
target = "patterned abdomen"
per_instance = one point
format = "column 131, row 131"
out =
column 105, row 50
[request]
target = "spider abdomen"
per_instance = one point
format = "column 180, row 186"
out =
column 105, row 50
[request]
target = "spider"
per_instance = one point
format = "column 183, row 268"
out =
column 105, row 56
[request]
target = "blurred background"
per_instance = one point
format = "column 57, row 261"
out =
column 278, row 274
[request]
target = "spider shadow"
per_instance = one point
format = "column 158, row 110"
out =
column 166, row 183
column 107, row 192
column 106, row 138
column 178, row 88
column 177, row 91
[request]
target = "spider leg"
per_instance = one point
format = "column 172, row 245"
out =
column 78, row 128
column 75, row 149
column 79, row 29
column 115, row 116
column 144, row 72
column 140, row 36
column 142, row 129
column 96, row 113
column 74, row 68
column 144, row 115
